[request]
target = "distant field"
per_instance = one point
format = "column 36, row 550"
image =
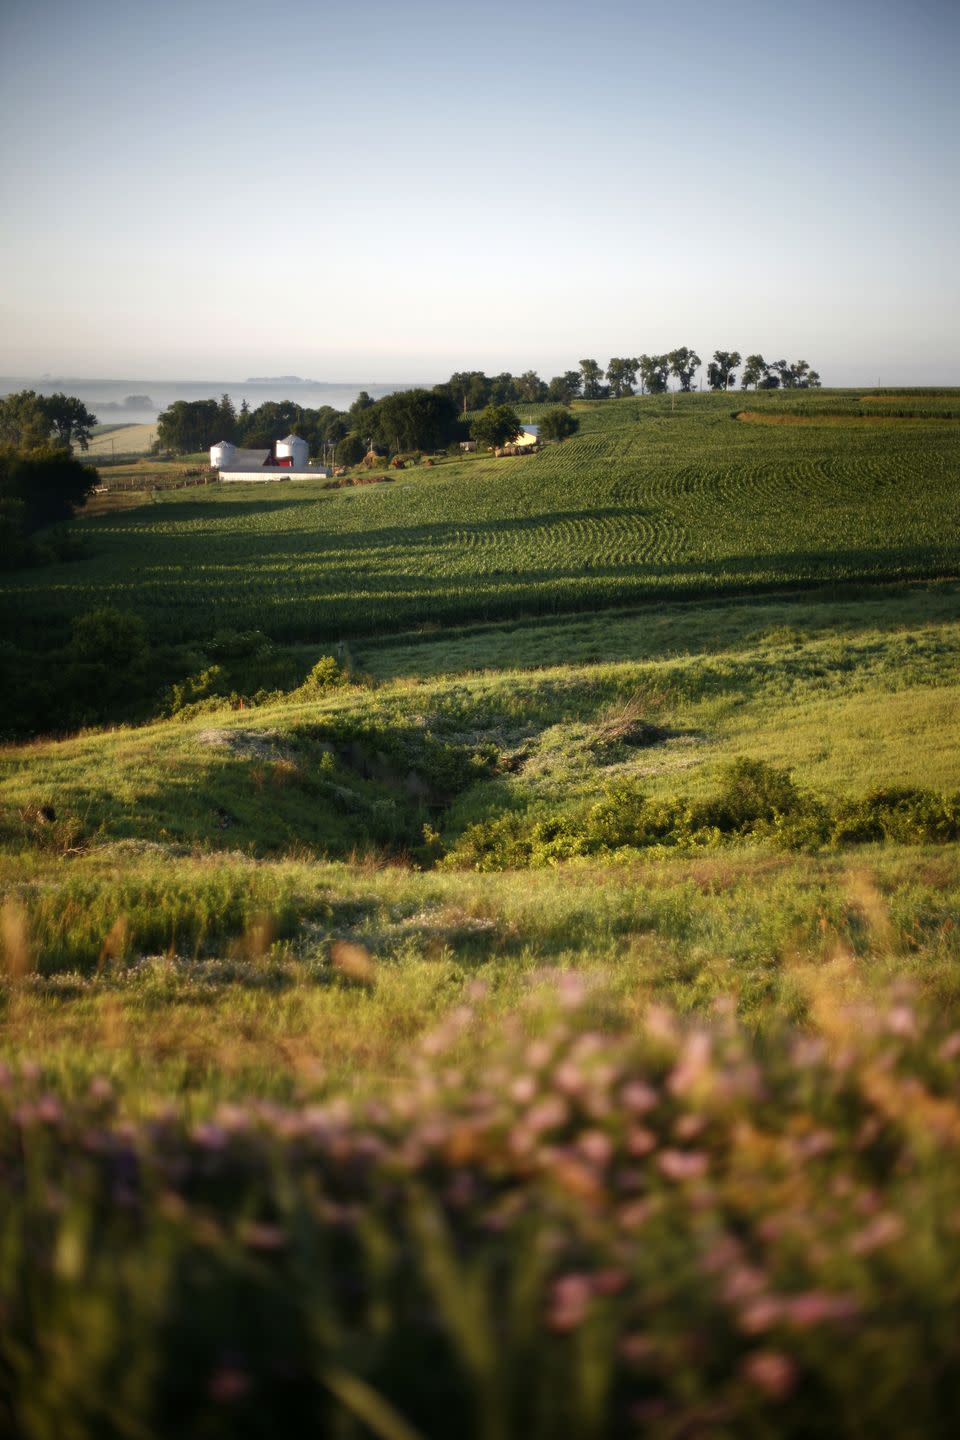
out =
column 122, row 440
column 656, row 498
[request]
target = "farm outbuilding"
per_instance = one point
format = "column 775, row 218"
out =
column 287, row 459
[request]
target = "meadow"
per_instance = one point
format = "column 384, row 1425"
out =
column 519, row 995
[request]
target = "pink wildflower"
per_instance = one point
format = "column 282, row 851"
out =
column 595, row 1146
column 683, row 1164
column 640, row 1141
column 549, row 1114
column 816, row 1306
column 523, row 1089
column 882, row 1230
column 638, row 1097
column 770, row 1371
column 569, row 1302
column 760, row 1314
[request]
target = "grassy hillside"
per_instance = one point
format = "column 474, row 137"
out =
column 649, row 500
column 849, row 695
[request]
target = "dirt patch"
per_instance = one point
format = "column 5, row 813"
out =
column 246, row 744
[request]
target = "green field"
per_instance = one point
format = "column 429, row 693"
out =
column 647, row 501
column 541, row 1019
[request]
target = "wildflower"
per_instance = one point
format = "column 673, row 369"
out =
column 523, row 1089
column 640, row 1141
column 596, row 1147
column 950, row 1048
column 210, row 1137
column 538, row 1054
column 691, row 1073
column 816, row 1306
column 761, row 1314
column 882, row 1230
column 549, row 1114
column 770, row 1371
column 569, row 1301
column 902, row 1021
column 683, row 1164
column 638, row 1097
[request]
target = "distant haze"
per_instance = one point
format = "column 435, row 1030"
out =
column 339, row 190
column 117, row 402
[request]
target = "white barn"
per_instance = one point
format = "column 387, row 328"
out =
column 287, row 459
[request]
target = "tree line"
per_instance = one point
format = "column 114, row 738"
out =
column 422, row 419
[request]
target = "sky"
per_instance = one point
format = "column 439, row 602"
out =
column 378, row 190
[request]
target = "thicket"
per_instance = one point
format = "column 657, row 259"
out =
column 755, row 801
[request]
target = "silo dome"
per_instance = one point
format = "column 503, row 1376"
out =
column 295, row 448
column 222, row 455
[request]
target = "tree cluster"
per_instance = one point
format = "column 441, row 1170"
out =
column 38, row 488
column 29, row 421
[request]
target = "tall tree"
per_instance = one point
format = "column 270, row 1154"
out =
column 414, row 420
column 227, row 419
column 622, row 375
column 592, row 379
column 23, row 421
column 654, row 370
column 565, row 387
column 754, row 371
column 69, row 419
column 720, row 374
column 684, row 364
column 502, row 391
column 530, row 388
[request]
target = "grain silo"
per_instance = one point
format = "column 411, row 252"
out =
column 293, row 452
column 222, row 455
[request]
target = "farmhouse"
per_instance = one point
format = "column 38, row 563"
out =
column 529, row 435
column 285, row 460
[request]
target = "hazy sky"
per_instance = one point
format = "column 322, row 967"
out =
column 374, row 189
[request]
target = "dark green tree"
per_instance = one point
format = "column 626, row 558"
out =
column 654, row 370
column 46, row 486
column 720, row 374
column 622, row 375
column 530, row 388
column 565, row 387
column 592, row 373
column 684, row 364
column 71, row 423
column 754, row 371
column 227, row 420
column 558, row 424
column 415, row 420
column 24, row 423
column 351, row 449
column 495, row 426
column 189, row 425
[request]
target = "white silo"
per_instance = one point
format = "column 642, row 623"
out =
column 222, row 455
column 296, row 449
